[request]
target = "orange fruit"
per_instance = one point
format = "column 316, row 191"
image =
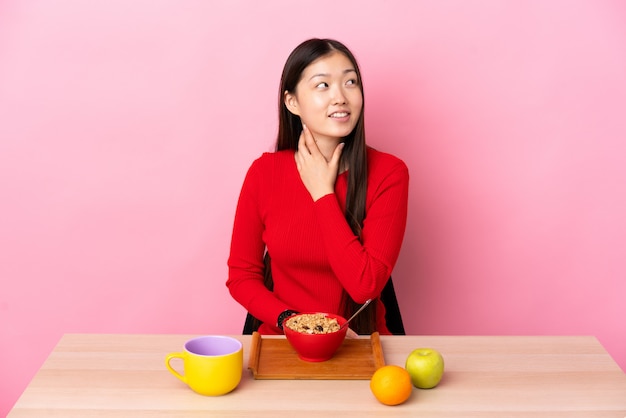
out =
column 391, row 385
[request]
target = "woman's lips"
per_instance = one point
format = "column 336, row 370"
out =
column 340, row 116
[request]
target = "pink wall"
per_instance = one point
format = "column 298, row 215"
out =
column 126, row 129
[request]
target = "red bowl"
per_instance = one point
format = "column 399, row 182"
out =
column 316, row 347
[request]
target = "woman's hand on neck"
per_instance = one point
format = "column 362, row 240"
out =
column 318, row 163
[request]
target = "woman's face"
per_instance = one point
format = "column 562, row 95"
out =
column 328, row 97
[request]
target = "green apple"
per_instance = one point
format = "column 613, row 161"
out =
column 425, row 365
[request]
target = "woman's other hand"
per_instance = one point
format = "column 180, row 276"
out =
column 351, row 334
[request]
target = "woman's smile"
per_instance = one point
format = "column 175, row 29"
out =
column 340, row 116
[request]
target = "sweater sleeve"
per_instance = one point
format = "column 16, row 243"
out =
column 363, row 267
column 245, row 263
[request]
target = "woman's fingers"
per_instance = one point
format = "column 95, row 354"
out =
column 309, row 141
column 334, row 161
column 351, row 334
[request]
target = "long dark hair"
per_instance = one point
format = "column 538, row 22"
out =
column 354, row 155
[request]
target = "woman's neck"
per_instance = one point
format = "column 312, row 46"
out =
column 327, row 146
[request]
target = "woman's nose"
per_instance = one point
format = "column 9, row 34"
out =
column 338, row 96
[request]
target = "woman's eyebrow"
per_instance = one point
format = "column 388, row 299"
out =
column 346, row 71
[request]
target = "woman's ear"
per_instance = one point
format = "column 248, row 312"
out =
column 292, row 103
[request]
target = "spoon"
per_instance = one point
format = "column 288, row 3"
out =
column 367, row 302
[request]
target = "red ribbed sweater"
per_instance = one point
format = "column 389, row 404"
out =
column 313, row 250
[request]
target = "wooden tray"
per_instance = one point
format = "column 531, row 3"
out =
column 274, row 358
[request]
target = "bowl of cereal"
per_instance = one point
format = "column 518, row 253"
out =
column 315, row 336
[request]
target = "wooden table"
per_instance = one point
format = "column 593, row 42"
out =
column 124, row 376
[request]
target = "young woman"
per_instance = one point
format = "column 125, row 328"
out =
column 320, row 222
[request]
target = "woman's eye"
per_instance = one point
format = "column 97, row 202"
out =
column 351, row 82
column 322, row 85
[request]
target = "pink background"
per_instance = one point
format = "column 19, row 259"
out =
column 127, row 127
